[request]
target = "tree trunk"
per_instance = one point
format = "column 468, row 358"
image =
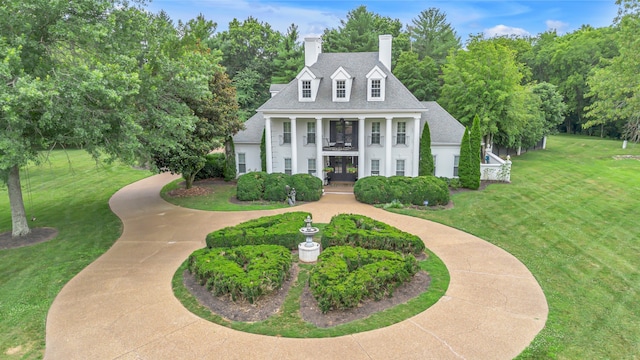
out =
column 188, row 180
column 20, row 226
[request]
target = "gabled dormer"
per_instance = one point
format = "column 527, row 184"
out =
column 308, row 84
column 341, row 83
column 376, row 84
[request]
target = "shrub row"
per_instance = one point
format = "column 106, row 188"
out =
column 344, row 276
column 244, row 272
column 280, row 229
column 407, row 190
column 272, row 187
column 362, row 231
column 213, row 167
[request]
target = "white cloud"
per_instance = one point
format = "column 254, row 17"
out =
column 559, row 26
column 503, row 30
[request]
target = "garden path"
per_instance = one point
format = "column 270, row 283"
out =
column 122, row 305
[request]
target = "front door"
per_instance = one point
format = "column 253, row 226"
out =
column 345, row 168
column 343, row 134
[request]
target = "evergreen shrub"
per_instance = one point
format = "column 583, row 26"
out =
column 250, row 186
column 275, row 187
column 407, row 190
column 362, row 231
column 280, row 229
column 345, row 276
column 308, row 187
column 244, row 272
column 213, row 167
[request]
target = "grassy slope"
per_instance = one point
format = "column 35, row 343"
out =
column 571, row 216
column 72, row 197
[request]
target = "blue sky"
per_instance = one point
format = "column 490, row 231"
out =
column 491, row 17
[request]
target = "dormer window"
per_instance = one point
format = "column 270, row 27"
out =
column 376, row 81
column 341, row 82
column 308, row 84
column 306, row 89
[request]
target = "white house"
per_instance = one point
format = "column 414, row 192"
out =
column 349, row 112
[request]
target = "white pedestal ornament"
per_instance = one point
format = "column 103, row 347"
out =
column 309, row 250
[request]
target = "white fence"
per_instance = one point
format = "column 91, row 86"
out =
column 496, row 169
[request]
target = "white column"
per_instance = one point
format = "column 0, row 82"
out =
column 416, row 145
column 361, row 144
column 267, row 136
column 294, row 146
column 319, row 159
column 387, row 147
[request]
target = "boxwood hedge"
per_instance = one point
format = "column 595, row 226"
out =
column 344, row 275
column 280, row 229
column 407, row 190
column 213, row 167
column 244, row 272
column 272, row 187
column 362, row 231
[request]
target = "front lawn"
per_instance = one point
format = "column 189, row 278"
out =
column 71, row 194
column 571, row 215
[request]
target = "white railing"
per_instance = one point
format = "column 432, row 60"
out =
column 496, row 169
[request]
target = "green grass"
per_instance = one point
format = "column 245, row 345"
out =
column 288, row 323
column 70, row 194
column 218, row 200
column 571, row 215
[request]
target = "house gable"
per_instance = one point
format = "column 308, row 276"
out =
column 341, row 83
column 308, row 84
column 376, row 84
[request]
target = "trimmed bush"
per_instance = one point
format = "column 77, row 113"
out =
column 244, row 272
column 345, row 276
column 407, row 190
column 213, row 167
column 308, row 187
column 280, row 229
column 275, row 187
column 250, row 186
column 362, row 231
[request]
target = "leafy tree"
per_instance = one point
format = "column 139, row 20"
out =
column 465, row 162
column 551, row 106
column 251, row 92
column 421, row 77
column 615, row 88
column 483, row 80
column 425, row 166
column 290, row 57
column 432, row 36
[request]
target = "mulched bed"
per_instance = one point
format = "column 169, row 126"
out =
column 37, row 235
column 270, row 305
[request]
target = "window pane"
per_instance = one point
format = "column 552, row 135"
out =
column 401, row 137
column 456, row 162
column 287, row 166
column 375, row 167
column 311, row 164
column 400, row 167
column 375, row 88
column 375, row 133
column 306, row 89
column 242, row 165
column 311, row 133
column 287, row 132
column 341, row 89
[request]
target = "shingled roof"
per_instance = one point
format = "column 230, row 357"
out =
column 358, row 65
column 444, row 128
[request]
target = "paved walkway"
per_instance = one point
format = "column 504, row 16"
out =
column 122, row 305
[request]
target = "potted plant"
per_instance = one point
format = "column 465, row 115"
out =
column 352, row 170
column 328, row 169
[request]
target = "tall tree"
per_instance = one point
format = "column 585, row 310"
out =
column 551, row 106
column 290, row 57
column 433, row 36
column 425, row 166
column 360, row 31
column 421, row 77
column 483, row 80
column 464, row 163
column 92, row 74
column 615, row 88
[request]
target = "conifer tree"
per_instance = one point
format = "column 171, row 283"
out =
column 230, row 160
column 464, row 165
column 425, row 166
column 476, row 154
column 263, row 151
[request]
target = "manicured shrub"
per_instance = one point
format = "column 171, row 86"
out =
column 250, row 186
column 406, row 190
column 362, row 231
column 275, row 187
column 244, row 272
column 213, row 167
column 308, row 187
column 230, row 170
column 280, row 229
column 425, row 166
column 345, row 276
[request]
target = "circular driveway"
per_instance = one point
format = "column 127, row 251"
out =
column 122, row 305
